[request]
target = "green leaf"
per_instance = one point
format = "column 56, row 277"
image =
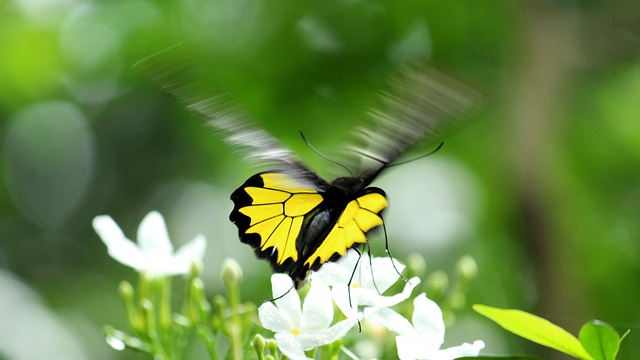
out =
column 535, row 329
column 600, row 339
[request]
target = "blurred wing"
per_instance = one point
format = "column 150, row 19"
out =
column 420, row 106
column 270, row 212
column 178, row 75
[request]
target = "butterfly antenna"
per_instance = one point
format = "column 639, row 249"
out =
column 419, row 157
column 386, row 249
column 323, row 155
column 281, row 296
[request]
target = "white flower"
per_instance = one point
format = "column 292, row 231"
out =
column 153, row 254
column 298, row 330
column 371, row 279
column 423, row 339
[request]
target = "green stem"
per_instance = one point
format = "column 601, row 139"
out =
column 235, row 326
column 152, row 330
column 164, row 314
column 236, row 341
column 208, row 339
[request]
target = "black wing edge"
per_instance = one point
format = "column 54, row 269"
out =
column 240, row 198
column 422, row 103
column 179, row 74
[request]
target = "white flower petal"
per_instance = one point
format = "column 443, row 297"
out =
column 326, row 336
column 289, row 345
column 191, row 251
column 384, row 273
column 372, row 298
column 120, row 248
column 316, row 316
column 153, row 237
column 272, row 319
column 427, row 319
column 371, row 278
column 340, row 295
column 317, row 310
column 463, row 350
column 427, row 335
column 339, row 272
column 289, row 304
column 158, row 266
column 414, row 347
column 419, row 347
column 153, row 254
column 391, row 320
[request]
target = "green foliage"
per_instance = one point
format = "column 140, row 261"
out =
column 164, row 334
column 600, row 339
column 597, row 340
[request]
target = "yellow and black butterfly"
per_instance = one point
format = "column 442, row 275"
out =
column 291, row 216
column 299, row 228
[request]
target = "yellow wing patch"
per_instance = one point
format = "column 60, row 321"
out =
column 279, row 181
column 360, row 216
column 277, row 212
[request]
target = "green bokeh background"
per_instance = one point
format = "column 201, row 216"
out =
column 541, row 187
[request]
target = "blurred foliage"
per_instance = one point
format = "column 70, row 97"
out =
column 542, row 187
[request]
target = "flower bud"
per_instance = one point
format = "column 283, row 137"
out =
column 126, row 291
column 150, row 318
column 136, row 318
column 416, row 265
column 218, row 305
column 467, row 269
column 457, row 300
column 231, row 274
column 259, row 343
column 196, row 299
column 437, row 285
column 196, row 268
column 272, row 346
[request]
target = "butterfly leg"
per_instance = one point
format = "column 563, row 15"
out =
column 386, row 249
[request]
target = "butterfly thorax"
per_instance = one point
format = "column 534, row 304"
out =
column 348, row 186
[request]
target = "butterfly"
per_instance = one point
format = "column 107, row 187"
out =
column 289, row 215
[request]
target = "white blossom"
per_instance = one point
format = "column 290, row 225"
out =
column 153, row 254
column 297, row 328
column 371, row 278
column 423, row 339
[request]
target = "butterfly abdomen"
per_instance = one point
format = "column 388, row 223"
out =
column 350, row 218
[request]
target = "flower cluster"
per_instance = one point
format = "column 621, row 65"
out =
column 362, row 288
column 301, row 329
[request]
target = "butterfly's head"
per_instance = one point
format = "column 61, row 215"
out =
column 349, row 184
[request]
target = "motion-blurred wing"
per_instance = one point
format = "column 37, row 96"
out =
column 178, row 75
column 421, row 104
